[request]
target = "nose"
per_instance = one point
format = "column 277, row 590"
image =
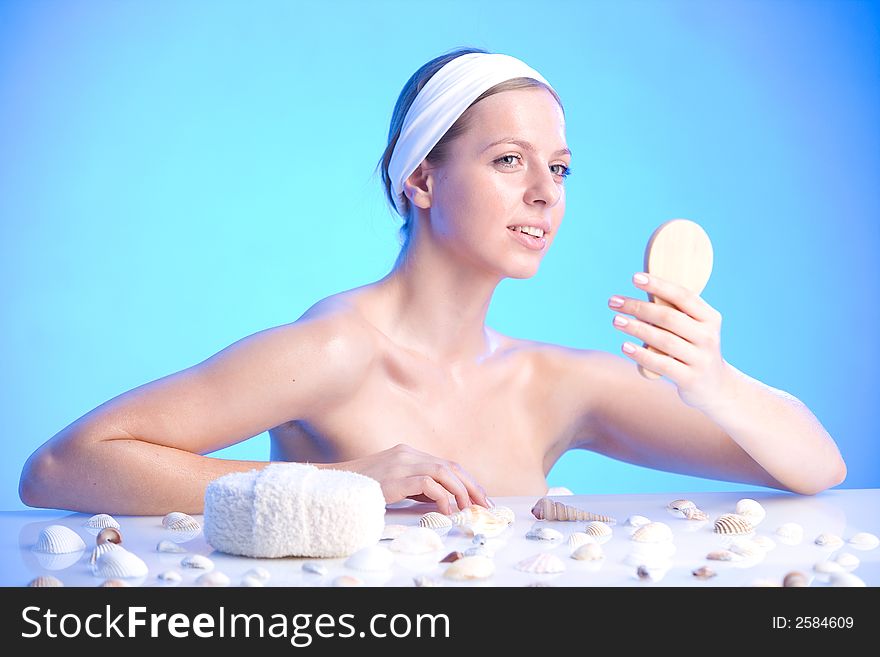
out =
column 542, row 188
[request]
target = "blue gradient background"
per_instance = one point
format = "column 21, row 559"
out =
column 175, row 176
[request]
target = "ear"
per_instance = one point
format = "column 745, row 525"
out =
column 418, row 187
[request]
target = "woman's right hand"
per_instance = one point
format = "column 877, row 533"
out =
column 405, row 472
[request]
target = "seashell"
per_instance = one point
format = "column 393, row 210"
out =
column 425, row 580
column 752, row 510
column 847, row 561
column 731, row 523
column 467, row 568
column 544, row 534
column 119, row 563
column 598, row 529
column 250, row 581
column 864, row 541
column 764, row 542
column 636, row 521
column 109, row 535
column 588, row 552
column 722, row 555
column 100, row 521
column 790, row 533
column 649, row 574
column 543, row 563
column 102, row 549
column 263, row 575
column 58, row 539
column 434, row 520
column 390, row 532
column 479, row 550
column 846, row 579
column 505, row 513
column 452, row 556
column 197, row 561
column 678, row 507
column 695, row 514
column 795, row 578
column 479, row 520
column 45, row 581
column 576, row 539
column 746, row 548
column 114, row 583
column 181, row 522
column 348, row 580
column 479, row 539
column 653, row 532
column 417, row 540
column 371, row 558
column 547, row 509
column 170, row 576
column 169, row 546
column 213, row 578
column 703, row 572
column 829, row 541
column 828, row 567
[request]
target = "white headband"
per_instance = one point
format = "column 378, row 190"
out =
column 440, row 103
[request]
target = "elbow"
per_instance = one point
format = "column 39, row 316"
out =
column 833, row 476
column 35, row 482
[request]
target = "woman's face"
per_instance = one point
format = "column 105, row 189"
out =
column 484, row 188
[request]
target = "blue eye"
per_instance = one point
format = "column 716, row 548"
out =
column 566, row 171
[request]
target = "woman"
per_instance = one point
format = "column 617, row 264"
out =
column 401, row 379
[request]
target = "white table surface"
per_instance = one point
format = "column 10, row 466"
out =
column 841, row 512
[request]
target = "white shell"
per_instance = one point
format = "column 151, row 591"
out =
column 169, row 546
column 102, row 549
column 213, row 578
column 847, row 561
column 746, row 548
column 181, row 522
column 636, row 521
column 678, row 507
column 544, row 534
column 588, row 552
column 314, row 568
column 576, row 539
column 828, row 567
column 829, row 541
column 864, row 541
column 764, row 542
column 417, row 540
column 846, row 579
column 732, row 523
column 390, row 532
column 100, row 521
column 250, row 581
column 479, row 550
column 479, row 520
column 261, row 573
column 425, row 580
column 120, row 563
column 790, row 533
column 505, row 513
column 722, row 555
column 348, row 580
column 466, row 568
column 58, row 539
column 653, row 532
column 597, row 528
column 751, row 509
column 371, row 558
column 170, row 576
column 434, row 520
column 543, row 563
column 45, row 581
column 197, row 561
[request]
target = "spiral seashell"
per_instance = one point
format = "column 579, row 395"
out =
column 58, row 539
column 505, row 513
column 102, row 549
column 417, row 540
column 213, row 578
column 790, row 533
column 390, row 532
column 703, row 572
column 576, row 539
column 423, row 580
column 752, row 510
column 846, row 579
column 547, row 509
column 731, row 523
column 678, row 507
column 251, row 582
column 109, row 535
column 795, row 578
column 864, row 541
column 588, row 552
column 829, row 541
column 598, row 529
column 722, row 555
column 544, row 534
column 169, row 546
column 119, row 563
column 114, row 583
column 45, row 581
column 847, row 561
column 695, row 514
column 263, row 575
column 197, row 561
column 181, row 522
column 467, row 568
column 371, row 558
column 348, row 580
column 434, row 520
column 653, row 532
column 543, row 563
column 100, row 521
column 170, row 576
column 636, row 521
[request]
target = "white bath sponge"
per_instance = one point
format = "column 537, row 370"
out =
column 293, row 510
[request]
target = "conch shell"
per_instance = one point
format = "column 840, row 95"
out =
column 547, row 509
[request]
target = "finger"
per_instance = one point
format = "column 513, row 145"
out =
column 679, row 296
column 658, row 338
column 444, row 475
column 476, row 492
column 425, row 485
column 672, row 319
column 659, row 363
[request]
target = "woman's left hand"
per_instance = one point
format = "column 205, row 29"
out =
column 689, row 335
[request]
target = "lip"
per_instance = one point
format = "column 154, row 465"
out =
column 543, row 224
column 528, row 242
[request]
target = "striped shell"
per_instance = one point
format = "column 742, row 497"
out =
column 653, row 532
column 213, row 578
column 169, row 546
column 417, row 540
column 731, row 523
column 544, row 534
column 100, row 521
column 434, row 520
column 829, row 541
column 864, row 541
column 543, row 563
column 576, row 539
column 181, row 522
column 197, row 561
column 752, row 510
column 588, row 552
column 373, row 558
column 45, row 581
column 795, row 578
column 120, row 563
column 678, row 507
column 597, row 528
column 479, row 520
column 790, row 533
column 636, row 521
column 547, row 509
column 103, row 548
column 505, row 513
column 466, row 568
column 58, row 539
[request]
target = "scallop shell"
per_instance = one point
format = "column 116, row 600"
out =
column 505, row 513
column 100, row 521
column 751, row 509
column 479, row 520
column 170, row 576
column 114, row 583
column 731, row 523
column 417, row 540
column 109, row 535
column 678, row 507
column 547, row 509
column 722, row 555
column 467, row 568
column 544, row 534
column 588, row 552
column 576, row 539
column 847, row 561
column 44, row 581
column 543, row 563
column 864, row 541
column 263, row 575
column 434, row 520
column 197, row 561
column 653, row 532
column 251, row 582
column 348, row 580
column 425, row 580
column 597, row 528
column 371, row 558
column 58, row 539
column 169, row 546
column 390, row 532
column 213, row 578
column 829, row 541
column 636, row 521
column 181, row 522
column 790, row 533
column 703, row 572
column 103, row 548
column 795, row 578
column 846, row 579
column 120, row 563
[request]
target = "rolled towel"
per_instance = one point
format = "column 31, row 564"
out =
column 293, row 510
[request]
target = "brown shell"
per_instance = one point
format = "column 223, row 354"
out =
column 547, row 509
column 732, row 523
column 795, row 578
column 109, row 535
column 703, row 572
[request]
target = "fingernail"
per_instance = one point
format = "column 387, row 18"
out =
column 628, row 348
column 641, row 279
column 620, row 320
column 616, row 302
